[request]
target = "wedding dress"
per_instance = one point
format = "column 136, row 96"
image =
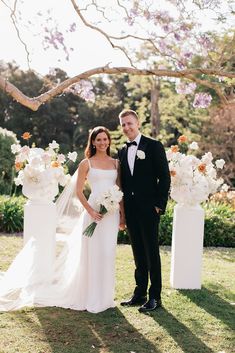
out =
column 84, row 271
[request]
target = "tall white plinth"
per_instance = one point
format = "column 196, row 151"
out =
column 187, row 247
column 40, row 224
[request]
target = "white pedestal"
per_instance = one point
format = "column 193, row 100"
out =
column 187, row 247
column 40, row 224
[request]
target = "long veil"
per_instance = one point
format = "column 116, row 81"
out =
column 22, row 285
column 68, row 207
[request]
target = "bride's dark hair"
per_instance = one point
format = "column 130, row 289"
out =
column 90, row 149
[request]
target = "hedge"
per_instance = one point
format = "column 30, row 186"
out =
column 219, row 222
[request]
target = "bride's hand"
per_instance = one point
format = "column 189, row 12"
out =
column 95, row 215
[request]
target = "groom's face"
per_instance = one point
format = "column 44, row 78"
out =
column 130, row 126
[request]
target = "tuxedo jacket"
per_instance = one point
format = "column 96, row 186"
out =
column 150, row 181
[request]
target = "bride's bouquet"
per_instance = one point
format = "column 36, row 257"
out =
column 40, row 171
column 193, row 179
column 107, row 202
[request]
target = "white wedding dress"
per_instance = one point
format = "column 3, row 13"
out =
column 84, row 271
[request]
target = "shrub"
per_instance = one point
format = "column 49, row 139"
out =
column 165, row 228
column 11, row 213
column 219, row 222
column 7, row 138
column 219, row 225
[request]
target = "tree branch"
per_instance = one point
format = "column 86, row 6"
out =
column 35, row 102
column 13, row 18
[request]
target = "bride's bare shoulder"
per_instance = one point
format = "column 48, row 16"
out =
column 84, row 164
column 115, row 161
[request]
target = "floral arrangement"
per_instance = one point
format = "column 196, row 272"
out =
column 40, row 172
column 193, row 179
column 107, row 202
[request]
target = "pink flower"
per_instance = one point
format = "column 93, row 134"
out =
column 202, row 100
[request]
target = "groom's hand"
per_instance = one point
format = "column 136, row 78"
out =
column 122, row 226
column 122, row 223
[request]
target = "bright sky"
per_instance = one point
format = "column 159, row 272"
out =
column 90, row 48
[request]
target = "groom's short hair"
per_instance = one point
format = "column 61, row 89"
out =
column 127, row 112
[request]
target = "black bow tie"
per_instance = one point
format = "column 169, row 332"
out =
column 134, row 143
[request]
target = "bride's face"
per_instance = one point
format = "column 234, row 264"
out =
column 101, row 142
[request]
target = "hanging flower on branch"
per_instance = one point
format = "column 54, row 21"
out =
column 193, row 179
column 82, row 89
column 202, row 100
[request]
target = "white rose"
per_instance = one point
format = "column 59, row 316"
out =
column 207, row 158
column 140, row 154
column 193, row 146
column 61, row 158
column 72, row 156
column 15, row 148
column 224, row 187
column 220, row 163
column 54, row 145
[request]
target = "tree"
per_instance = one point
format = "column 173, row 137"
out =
column 175, row 35
column 219, row 134
column 7, row 173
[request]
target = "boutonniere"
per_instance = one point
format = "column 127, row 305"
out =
column 140, row 154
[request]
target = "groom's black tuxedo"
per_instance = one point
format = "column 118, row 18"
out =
column 146, row 189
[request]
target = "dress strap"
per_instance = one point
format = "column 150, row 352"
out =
column 89, row 163
column 116, row 163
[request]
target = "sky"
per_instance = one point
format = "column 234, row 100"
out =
column 90, row 48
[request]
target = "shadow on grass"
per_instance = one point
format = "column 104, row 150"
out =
column 181, row 334
column 70, row 331
column 213, row 304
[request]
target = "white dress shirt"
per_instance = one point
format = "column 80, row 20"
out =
column 131, row 153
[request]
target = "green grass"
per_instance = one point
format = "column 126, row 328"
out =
column 198, row 321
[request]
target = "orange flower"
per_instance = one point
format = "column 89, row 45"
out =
column 55, row 164
column 202, row 168
column 26, row 136
column 174, row 148
column 18, row 166
column 182, row 139
column 173, row 173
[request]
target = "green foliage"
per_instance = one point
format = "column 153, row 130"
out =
column 178, row 117
column 219, row 225
column 7, row 138
column 219, row 221
column 11, row 213
column 123, row 237
column 166, row 224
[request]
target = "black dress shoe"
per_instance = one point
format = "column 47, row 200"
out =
column 150, row 305
column 135, row 300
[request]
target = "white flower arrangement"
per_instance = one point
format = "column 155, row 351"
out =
column 40, row 172
column 140, row 154
column 108, row 201
column 192, row 179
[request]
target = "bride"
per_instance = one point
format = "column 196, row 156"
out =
column 84, row 271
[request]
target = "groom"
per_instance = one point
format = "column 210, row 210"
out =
column 145, row 183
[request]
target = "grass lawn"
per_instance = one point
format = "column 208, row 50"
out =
column 196, row 321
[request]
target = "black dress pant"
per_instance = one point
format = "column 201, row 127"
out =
column 142, row 223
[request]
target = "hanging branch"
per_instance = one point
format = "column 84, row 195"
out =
column 35, row 102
